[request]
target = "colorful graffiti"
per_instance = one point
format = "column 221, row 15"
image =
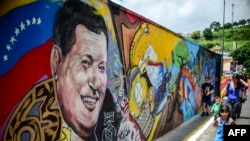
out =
column 224, row 81
column 149, row 77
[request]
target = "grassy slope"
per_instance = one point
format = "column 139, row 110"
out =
column 241, row 35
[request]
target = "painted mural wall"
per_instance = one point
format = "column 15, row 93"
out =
column 92, row 70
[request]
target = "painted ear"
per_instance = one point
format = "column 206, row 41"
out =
column 55, row 60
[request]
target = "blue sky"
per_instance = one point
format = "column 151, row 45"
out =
column 186, row 16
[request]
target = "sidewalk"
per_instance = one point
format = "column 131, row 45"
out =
column 186, row 129
column 201, row 129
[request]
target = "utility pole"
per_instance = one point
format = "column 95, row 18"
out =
column 232, row 13
column 222, row 60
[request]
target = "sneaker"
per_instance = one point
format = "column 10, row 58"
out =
column 206, row 114
column 202, row 114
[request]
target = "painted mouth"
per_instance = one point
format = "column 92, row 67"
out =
column 89, row 100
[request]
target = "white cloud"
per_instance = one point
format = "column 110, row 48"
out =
column 186, row 16
column 186, row 8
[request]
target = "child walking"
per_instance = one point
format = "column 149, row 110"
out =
column 216, row 107
column 223, row 119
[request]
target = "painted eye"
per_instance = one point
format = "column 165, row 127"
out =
column 102, row 68
column 85, row 63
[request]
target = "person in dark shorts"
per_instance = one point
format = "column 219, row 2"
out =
column 243, row 96
column 207, row 89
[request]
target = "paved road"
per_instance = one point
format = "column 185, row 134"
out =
column 186, row 130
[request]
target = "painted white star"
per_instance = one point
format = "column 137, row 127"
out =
column 22, row 26
column 28, row 22
column 39, row 21
column 12, row 40
column 17, row 31
column 33, row 20
column 8, row 47
column 5, row 57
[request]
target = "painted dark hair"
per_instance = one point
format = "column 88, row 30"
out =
column 73, row 13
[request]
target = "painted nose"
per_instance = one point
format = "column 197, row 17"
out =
column 94, row 81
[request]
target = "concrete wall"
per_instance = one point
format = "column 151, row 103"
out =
column 153, row 76
column 227, row 64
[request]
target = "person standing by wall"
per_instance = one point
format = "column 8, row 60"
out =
column 243, row 96
column 207, row 89
column 232, row 92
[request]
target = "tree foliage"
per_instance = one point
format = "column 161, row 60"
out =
column 248, row 21
column 207, row 34
column 242, row 22
column 196, row 35
column 181, row 54
column 242, row 56
column 215, row 26
column 235, row 24
column 228, row 25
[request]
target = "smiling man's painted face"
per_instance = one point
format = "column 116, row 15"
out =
column 82, row 79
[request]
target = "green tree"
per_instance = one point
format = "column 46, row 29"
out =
column 242, row 22
column 215, row 26
column 235, row 24
column 196, row 35
column 228, row 25
column 248, row 21
column 207, row 34
column 242, row 55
